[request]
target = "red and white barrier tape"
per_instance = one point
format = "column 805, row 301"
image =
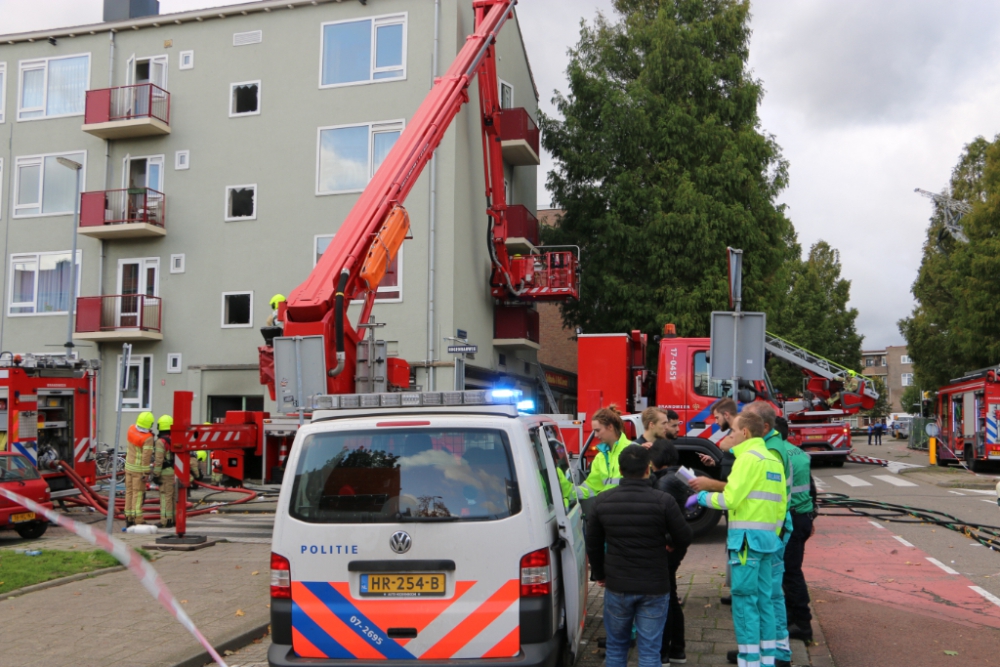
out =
column 856, row 458
column 136, row 564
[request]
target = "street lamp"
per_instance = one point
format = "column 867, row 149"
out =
column 76, row 167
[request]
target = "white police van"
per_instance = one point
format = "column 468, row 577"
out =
column 431, row 527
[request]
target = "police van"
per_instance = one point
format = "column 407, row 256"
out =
column 436, row 527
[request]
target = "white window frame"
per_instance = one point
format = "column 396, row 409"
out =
column 33, row 63
column 127, row 168
column 382, row 126
column 34, row 302
column 256, row 203
column 905, row 359
column 232, row 88
column 402, row 18
column 906, row 379
column 171, row 366
column 178, row 165
column 180, row 60
column 222, row 318
column 381, row 288
column 500, row 84
column 136, row 360
column 175, row 266
column 26, row 160
column 3, row 92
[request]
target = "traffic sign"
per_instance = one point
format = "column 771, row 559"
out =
column 463, row 349
column 462, row 333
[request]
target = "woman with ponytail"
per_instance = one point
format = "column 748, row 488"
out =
column 611, row 440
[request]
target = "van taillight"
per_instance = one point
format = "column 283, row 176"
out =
column 536, row 574
column 281, row 577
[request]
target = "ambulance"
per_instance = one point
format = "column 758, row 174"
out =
column 435, row 527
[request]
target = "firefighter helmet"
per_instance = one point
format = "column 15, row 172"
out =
column 276, row 299
column 145, row 420
column 166, row 421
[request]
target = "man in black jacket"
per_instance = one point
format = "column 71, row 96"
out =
column 630, row 532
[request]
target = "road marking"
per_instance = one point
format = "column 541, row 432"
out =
column 942, row 565
column 902, row 541
column 877, row 524
column 851, row 480
column 957, row 493
column 895, row 481
column 986, row 594
column 982, row 491
column 987, row 500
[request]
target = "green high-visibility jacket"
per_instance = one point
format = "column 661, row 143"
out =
column 756, row 497
column 775, row 443
column 604, row 472
column 801, row 501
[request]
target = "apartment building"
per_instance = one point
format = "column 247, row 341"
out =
column 219, row 152
column 893, row 366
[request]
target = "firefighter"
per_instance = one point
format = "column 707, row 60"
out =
column 273, row 320
column 756, row 498
column 138, row 454
column 163, row 471
column 199, row 465
column 609, row 430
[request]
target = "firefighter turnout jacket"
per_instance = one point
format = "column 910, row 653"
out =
column 139, row 451
column 163, row 458
column 756, row 497
column 604, row 472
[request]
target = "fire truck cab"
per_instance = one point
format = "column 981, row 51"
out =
column 968, row 411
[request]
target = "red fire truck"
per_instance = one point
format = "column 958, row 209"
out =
column 968, row 411
column 48, row 414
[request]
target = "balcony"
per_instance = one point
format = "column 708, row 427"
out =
column 518, row 137
column 522, row 230
column 516, row 327
column 122, row 214
column 126, row 112
column 118, row 317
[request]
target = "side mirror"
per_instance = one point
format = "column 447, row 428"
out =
column 932, row 430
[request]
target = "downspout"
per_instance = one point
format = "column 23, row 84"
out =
column 100, row 269
column 431, row 335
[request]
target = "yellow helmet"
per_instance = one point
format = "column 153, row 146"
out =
column 276, row 299
column 145, row 420
column 166, row 421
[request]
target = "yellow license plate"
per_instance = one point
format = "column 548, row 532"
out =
column 814, row 437
column 402, row 585
column 24, row 516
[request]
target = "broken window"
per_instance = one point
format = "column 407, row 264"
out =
column 244, row 98
column 236, row 309
column 241, row 202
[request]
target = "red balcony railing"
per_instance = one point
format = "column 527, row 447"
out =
column 517, row 129
column 117, row 207
column 515, row 322
column 114, row 312
column 521, row 224
column 143, row 100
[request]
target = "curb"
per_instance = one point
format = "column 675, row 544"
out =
column 819, row 652
column 51, row 583
column 198, row 657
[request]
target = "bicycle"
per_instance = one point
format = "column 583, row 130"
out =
column 103, row 462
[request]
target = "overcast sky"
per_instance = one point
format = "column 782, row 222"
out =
column 868, row 100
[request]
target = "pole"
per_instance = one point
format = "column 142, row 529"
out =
column 113, row 492
column 298, row 378
column 71, row 308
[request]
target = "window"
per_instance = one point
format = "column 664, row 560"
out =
column 506, row 95
column 182, row 160
column 564, row 472
column 363, row 51
column 245, row 38
column 543, row 470
column 174, row 363
column 177, row 263
column 52, row 87
column 905, row 359
column 389, row 289
column 244, row 99
column 241, row 202
column 139, row 392
column 881, row 361
column 869, row 361
column 907, row 379
column 237, row 309
column 3, row 90
column 348, row 156
column 381, row 475
column 186, row 60
column 42, row 186
column 39, row 283
column 703, row 382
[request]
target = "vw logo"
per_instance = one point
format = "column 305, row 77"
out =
column 400, row 542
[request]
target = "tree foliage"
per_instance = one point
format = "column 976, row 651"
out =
column 882, row 407
column 955, row 325
column 661, row 164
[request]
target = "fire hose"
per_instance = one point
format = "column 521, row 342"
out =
column 151, row 511
column 988, row 536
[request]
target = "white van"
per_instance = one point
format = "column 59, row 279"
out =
column 435, row 531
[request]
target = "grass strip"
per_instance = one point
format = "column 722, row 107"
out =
column 20, row 570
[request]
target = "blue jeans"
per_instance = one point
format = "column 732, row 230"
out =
column 648, row 613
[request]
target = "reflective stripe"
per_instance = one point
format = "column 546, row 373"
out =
column 612, row 481
column 783, row 644
column 801, row 489
column 764, row 495
column 768, row 644
column 755, row 525
column 718, row 501
column 749, row 648
column 757, row 454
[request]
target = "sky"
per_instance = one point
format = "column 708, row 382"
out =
column 868, row 101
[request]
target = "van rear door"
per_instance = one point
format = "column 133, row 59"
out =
column 404, row 540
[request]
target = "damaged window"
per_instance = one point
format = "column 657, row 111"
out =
column 244, row 98
column 241, row 202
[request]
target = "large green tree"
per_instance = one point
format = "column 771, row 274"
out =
column 814, row 314
column 661, row 163
column 955, row 325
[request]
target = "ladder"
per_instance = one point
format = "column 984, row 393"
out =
column 546, row 389
column 803, row 358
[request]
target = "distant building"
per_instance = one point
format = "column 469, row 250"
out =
column 557, row 355
column 893, row 366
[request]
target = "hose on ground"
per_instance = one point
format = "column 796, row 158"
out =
column 988, row 536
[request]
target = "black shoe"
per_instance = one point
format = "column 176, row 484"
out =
column 726, row 599
column 677, row 657
column 796, row 632
column 732, row 657
column 664, row 661
column 169, row 523
column 602, row 643
column 782, row 663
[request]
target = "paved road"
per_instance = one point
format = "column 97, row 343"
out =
column 249, row 528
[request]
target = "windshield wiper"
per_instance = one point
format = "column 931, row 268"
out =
column 402, row 518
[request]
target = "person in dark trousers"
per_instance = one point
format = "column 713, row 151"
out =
column 665, row 466
column 631, row 531
column 879, row 427
column 871, row 432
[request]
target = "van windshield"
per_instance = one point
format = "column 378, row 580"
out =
column 398, row 475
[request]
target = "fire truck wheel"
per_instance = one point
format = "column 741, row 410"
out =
column 975, row 465
column 943, row 463
column 33, row 530
column 702, row 519
column 839, row 463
